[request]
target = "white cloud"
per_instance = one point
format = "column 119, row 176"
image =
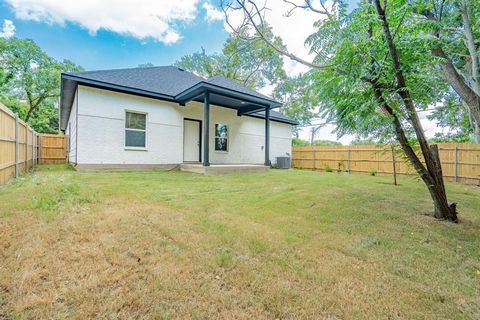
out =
column 142, row 19
column 213, row 14
column 293, row 30
column 8, row 29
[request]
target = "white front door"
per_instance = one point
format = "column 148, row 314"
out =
column 191, row 140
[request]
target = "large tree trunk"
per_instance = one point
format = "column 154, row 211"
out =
column 475, row 126
column 458, row 83
column 431, row 173
column 474, row 70
column 434, row 183
column 438, row 193
column 467, row 85
column 472, row 48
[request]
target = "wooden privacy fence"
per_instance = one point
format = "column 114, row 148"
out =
column 53, row 148
column 21, row 147
column 460, row 162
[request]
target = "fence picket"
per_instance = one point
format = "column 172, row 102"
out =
column 15, row 152
column 460, row 162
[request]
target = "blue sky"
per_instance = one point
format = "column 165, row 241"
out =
column 110, row 34
column 116, row 34
column 107, row 49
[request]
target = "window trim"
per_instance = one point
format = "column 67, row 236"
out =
column 215, row 137
column 140, row 130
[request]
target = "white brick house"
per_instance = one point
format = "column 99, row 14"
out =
column 163, row 116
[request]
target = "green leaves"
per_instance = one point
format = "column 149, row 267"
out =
column 454, row 119
column 253, row 64
column 298, row 97
column 355, row 48
column 32, row 77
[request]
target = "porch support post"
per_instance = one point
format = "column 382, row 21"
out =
column 267, row 136
column 206, row 131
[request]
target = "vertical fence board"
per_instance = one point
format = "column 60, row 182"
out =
column 53, row 149
column 462, row 159
column 21, row 148
column 7, row 144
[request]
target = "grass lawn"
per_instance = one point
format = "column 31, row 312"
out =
column 283, row 244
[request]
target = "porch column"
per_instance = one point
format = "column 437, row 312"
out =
column 206, row 131
column 267, row 136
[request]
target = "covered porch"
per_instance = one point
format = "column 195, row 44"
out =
column 245, row 104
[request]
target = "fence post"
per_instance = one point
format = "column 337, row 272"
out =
column 314, row 159
column 33, row 150
column 348, row 160
column 26, row 147
column 394, row 166
column 16, row 145
column 39, row 148
column 456, row 162
column 36, row 150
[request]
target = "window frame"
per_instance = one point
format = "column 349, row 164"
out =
column 139, row 130
column 215, row 137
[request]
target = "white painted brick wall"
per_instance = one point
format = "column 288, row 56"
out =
column 101, row 131
column 72, row 132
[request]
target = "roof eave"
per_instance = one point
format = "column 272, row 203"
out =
column 273, row 118
column 116, row 87
column 67, row 99
column 202, row 87
column 189, row 94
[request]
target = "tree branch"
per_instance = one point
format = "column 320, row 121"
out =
column 249, row 20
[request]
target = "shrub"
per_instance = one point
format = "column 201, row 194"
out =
column 328, row 168
column 297, row 142
column 340, row 167
column 326, row 143
column 373, row 172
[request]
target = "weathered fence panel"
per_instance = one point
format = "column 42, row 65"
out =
column 53, row 149
column 460, row 162
column 18, row 145
column 21, row 148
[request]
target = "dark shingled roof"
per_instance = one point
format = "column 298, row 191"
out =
column 166, row 82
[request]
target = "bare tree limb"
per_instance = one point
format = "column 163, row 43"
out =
column 250, row 16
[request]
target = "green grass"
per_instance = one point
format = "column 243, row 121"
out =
column 283, row 244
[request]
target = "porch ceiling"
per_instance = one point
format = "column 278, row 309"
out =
column 241, row 105
column 226, row 97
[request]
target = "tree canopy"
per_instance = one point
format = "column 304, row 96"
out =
column 31, row 82
column 451, row 32
column 373, row 71
column 256, row 65
column 250, row 63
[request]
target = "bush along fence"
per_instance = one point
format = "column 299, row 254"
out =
column 460, row 162
column 20, row 146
